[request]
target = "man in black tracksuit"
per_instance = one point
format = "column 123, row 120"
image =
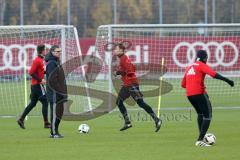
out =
column 56, row 88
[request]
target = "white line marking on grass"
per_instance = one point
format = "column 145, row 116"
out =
column 139, row 109
column 185, row 108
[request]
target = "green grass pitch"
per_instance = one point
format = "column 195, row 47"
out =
column 175, row 141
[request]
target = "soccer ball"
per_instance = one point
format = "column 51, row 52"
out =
column 83, row 128
column 210, row 138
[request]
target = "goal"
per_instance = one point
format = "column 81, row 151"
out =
column 164, row 52
column 17, row 51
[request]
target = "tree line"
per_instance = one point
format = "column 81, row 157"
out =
column 87, row 15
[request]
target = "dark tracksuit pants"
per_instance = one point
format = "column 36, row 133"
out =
column 203, row 107
column 38, row 93
column 135, row 93
column 57, row 108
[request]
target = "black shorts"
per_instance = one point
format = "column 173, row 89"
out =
column 38, row 92
column 202, row 105
column 133, row 91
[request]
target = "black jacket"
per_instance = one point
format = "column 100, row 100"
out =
column 56, row 83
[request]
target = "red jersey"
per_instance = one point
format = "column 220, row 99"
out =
column 37, row 69
column 194, row 76
column 129, row 68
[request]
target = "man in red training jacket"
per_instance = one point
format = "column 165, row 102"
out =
column 130, row 88
column 38, row 92
column 193, row 82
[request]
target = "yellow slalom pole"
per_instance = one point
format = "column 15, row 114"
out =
column 160, row 89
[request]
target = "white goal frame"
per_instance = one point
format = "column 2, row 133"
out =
column 202, row 29
column 64, row 29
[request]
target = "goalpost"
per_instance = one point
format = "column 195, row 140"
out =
column 177, row 45
column 18, row 50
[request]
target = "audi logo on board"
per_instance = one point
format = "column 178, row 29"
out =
column 226, row 54
column 219, row 53
column 17, row 61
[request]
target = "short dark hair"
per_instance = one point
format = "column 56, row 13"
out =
column 40, row 48
column 201, row 54
column 121, row 46
column 53, row 48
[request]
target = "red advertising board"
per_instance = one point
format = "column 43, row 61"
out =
column 178, row 52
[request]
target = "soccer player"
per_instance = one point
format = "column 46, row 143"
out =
column 37, row 89
column 55, row 77
column 130, row 88
column 193, row 82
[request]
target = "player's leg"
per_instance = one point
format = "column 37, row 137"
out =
column 149, row 110
column 206, row 107
column 53, row 118
column 194, row 101
column 54, row 122
column 59, row 114
column 122, row 95
column 56, row 115
column 138, row 97
column 44, row 102
column 34, row 98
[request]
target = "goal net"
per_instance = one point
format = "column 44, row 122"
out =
column 175, row 47
column 18, row 50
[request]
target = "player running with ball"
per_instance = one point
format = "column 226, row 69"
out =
column 193, row 82
column 130, row 88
